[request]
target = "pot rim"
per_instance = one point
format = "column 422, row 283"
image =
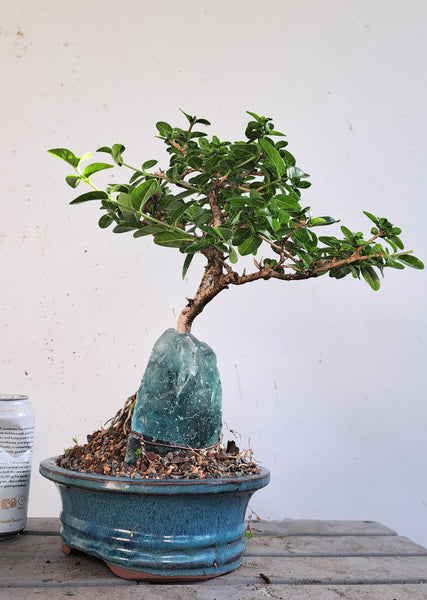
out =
column 108, row 483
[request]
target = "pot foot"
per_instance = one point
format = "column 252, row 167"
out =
column 66, row 549
column 144, row 576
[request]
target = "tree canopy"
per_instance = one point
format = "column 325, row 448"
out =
column 228, row 199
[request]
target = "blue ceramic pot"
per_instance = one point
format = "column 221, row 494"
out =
column 156, row 529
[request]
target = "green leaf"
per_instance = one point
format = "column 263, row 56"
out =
column 370, row 276
column 348, row 234
column 73, row 180
column 306, row 238
column 243, row 201
column 355, row 271
column 255, row 194
column 200, row 179
column 183, row 195
column 85, row 156
column 237, row 218
column 253, row 130
column 150, row 230
column 180, row 211
column 320, row 221
column 254, row 115
column 137, row 177
column 278, row 133
column 148, row 164
column 172, row 239
column 186, row 264
column 195, row 162
column 96, row 195
column 288, row 203
column 200, row 216
column 124, row 201
column 410, row 261
column 250, row 246
column 119, row 187
column 303, row 185
column 105, row 221
column 289, row 158
column 199, row 244
column 95, row 167
column 397, row 241
column 392, row 244
column 189, row 117
column 274, row 156
column 110, row 205
column 116, row 152
column 105, row 149
column 329, row 241
column 241, row 235
column 371, row 216
column 233, row 258
column 224, row 232
column 143, row 192
column 244, row 151
column 204, row 144
column 391, row 262
column 164, row 129
column 306, row 258
column 123, row 228
column 66, row 155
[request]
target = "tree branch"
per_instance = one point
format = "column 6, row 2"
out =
column 183, row 184
column 216, row 211
column 214, row 280
column 336, row 264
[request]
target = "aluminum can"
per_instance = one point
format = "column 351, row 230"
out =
column 16, row 447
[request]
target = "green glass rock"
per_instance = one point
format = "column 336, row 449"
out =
column 179, row 400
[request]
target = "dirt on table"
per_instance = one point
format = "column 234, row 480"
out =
column 105, row 452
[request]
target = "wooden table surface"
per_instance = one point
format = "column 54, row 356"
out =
column 289, row 560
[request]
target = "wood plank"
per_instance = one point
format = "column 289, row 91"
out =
column 48, row 547
column 32, row 546
column 360, row 545
column 41, row 525
column 79, row 569
column 292, row 527
column 331, row 570
column 210, row 591
column 363, row 565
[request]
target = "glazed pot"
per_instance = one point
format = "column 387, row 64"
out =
column 147, row 529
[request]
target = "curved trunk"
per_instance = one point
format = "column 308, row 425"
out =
column 213, row 282
column 195, row 306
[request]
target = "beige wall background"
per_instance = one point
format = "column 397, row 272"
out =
column 326, row 378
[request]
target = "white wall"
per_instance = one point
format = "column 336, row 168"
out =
column 325, row 377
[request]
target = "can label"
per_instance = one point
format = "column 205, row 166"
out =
column 16, row 444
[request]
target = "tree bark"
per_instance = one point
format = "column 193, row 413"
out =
column 215, row 280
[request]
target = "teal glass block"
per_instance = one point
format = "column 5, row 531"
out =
column 180, row 397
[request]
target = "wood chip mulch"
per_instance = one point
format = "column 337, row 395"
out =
column 104, row 454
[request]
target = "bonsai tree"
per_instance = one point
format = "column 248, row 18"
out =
column 226, row 200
